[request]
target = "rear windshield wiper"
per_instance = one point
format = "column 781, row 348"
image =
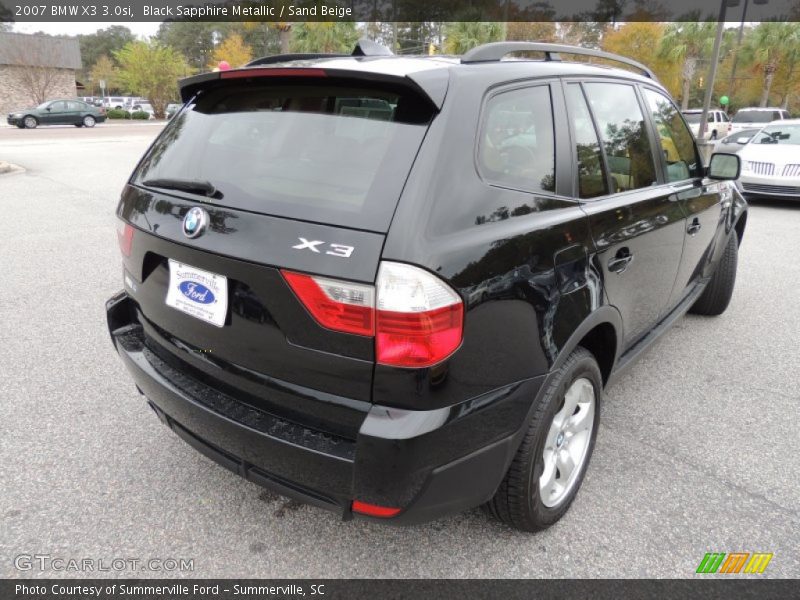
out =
column 204, row 188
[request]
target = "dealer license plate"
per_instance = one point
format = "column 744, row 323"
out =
column 201, row 294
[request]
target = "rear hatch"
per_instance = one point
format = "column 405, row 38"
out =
column 292, row 173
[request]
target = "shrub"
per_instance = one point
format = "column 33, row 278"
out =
column 140, row 115
column 118, row 113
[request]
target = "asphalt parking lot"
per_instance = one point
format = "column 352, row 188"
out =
column 698, row 448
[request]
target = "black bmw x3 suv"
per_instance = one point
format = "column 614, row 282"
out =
column 396, row 287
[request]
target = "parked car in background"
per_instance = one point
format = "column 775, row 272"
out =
column 718, row 124
column 116, row 102
column 736, row 141
column 172, row 109
column 771, row 161
column 144, row 107
column 57, row 112
column 756, row 117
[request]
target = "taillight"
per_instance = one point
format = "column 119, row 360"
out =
column 125, row 237
column 338, row 305
column 373, row 510
column 417, row 320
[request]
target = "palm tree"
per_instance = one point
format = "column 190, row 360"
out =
column 687, row 42
column 767, row 46
column 331, row 37
column 461, row 36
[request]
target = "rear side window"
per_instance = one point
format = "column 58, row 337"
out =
column 624, row 135
column 592, row 180
column 677, row 144
column 336, row 154
column 516, row 147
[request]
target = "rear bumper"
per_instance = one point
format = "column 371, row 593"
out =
column 427, row 463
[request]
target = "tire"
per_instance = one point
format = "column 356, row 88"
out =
column 30, row 122
column 89, row 121
column 523, row 501
column 78, row 124
column 717, row 295
column 21, row 125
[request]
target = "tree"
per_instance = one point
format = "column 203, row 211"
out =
column 103, row 42
column 195, row 40
column 687, row 43
column 531, row 31
column 105, row 70
column 461, row 36
column 234, row 51
column 328, row 37
column 151, row 70
column 640, row 41
column 767, row 47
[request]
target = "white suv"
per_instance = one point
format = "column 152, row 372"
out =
column 718, row 125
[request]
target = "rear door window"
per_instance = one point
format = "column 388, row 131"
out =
column 328, row 153
column 592, row 179
column 516, row 147
column 624, row 135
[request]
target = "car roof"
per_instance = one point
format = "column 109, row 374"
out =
column 758, row 108
column 699, row 110
column 783, row 122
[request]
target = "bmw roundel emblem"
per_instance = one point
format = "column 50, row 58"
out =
column 195, row 222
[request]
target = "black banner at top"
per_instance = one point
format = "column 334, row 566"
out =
column 603, row 11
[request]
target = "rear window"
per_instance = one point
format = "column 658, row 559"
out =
column 756, row 116
column 336, row 154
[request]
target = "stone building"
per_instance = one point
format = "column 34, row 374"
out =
column 35, row 68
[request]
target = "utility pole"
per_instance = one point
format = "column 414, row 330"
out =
column 712, row 71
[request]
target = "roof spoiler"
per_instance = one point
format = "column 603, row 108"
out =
column 432, row 83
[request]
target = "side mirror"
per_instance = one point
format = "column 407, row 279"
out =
column 724, row 167
column 48, row 109
column 742, row 140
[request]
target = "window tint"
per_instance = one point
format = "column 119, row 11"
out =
column 516, row 148
column 676, row 140
column 334, row 154
column 75, row 106
column 592, row 180
column 623, row 134
column 58, row 107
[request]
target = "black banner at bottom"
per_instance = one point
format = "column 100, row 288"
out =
column 386, row 589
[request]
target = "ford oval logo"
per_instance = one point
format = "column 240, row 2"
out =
column 196, row 292
column 195, row 222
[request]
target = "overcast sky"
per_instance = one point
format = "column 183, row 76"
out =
column 139, row 29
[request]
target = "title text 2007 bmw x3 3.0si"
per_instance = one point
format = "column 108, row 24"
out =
column 395, row 287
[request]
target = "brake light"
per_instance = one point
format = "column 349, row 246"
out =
column 417, row 320
column 338, row 305
column 373, row 510
column 125, row 237
column 272, row 72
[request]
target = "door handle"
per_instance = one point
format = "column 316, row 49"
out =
column 694, row 227
column 621, row 260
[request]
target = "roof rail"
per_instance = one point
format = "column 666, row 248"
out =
column 364, row 47
column 496, row 51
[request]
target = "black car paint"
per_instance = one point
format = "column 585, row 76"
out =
column 414, row 438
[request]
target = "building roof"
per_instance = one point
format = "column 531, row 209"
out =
column 21, row 49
